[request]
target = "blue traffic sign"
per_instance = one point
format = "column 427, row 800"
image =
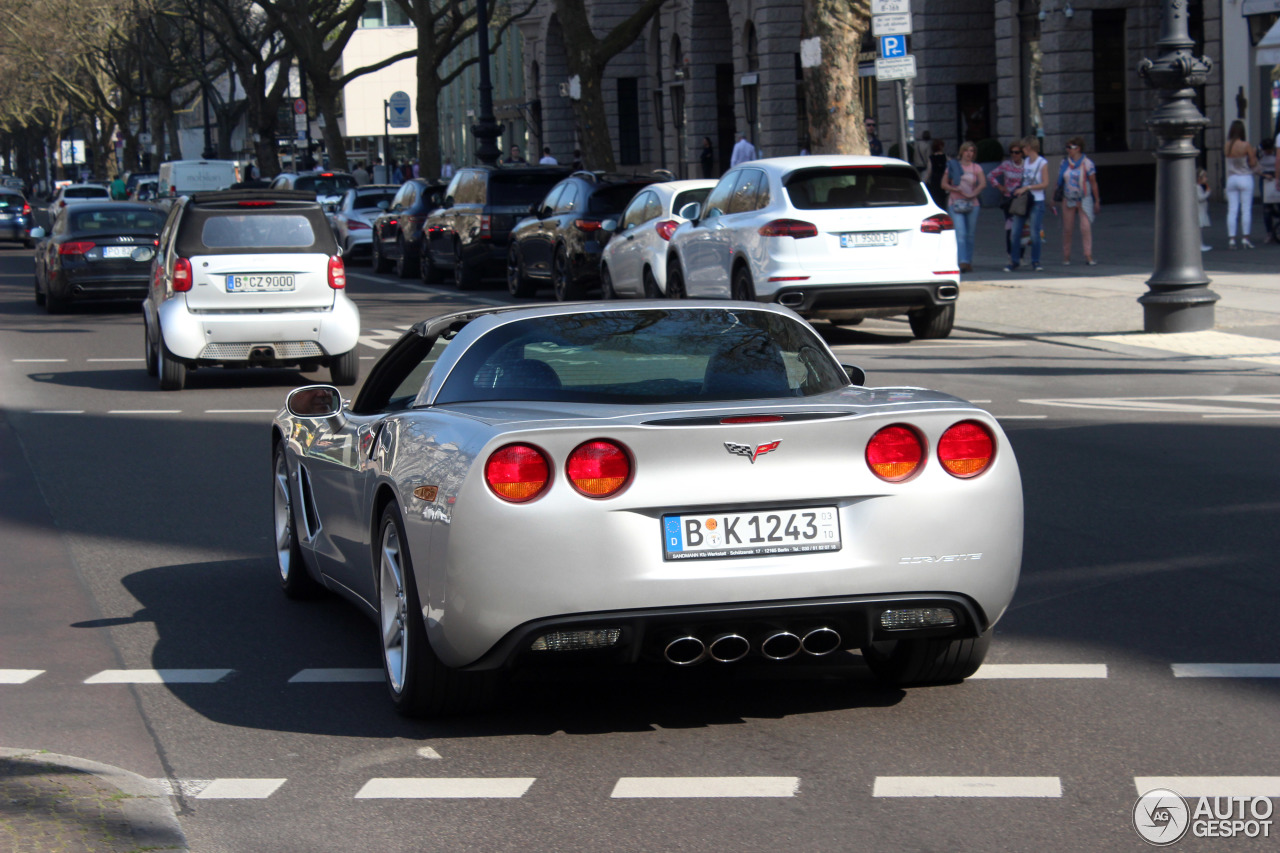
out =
column 893, row 46
column 399, row 109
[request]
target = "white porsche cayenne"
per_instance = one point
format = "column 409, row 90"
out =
column 834, row 237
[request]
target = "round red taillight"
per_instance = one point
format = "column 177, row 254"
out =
column 598, row 468
column 517, row 472
column 895, row 453
column 965, row 449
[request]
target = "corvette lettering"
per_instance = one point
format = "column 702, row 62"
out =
column 752, row 453
column 945, row 558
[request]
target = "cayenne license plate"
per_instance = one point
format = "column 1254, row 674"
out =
column 118, row 251
column 750, row 534
column 868, row 238
column 259, row 283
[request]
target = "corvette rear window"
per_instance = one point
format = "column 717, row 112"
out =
column 645, row 356
column 855, row 187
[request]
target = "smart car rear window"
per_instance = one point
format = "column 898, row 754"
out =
column 650, row 356
column 854, row 187
column 235, row 232
column 520, row 190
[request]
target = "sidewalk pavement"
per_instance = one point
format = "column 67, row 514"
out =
column 1096, row 305
column 58, row 804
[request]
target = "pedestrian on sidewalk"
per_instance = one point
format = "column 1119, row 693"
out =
column 1035, row 177
column 1202, row 196
column 1078, row 186
column 1008, row 177
column 1242, row 163
column 1267, row 168
column 933, row 175
column 963, row 182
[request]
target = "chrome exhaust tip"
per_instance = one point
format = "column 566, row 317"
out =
column 821, row 641
column 728, row 648
column 685, row 651
column 782, row 645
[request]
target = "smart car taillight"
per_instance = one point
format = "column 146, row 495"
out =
column 517, row 472
column 938, row 223
column 965, row 449
column 337, row 273
column 895, row 453
column 598, row 468
column 181, row 275
column 75, row 247
column 666, row 228
column 788, row 228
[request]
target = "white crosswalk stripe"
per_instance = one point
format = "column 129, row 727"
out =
column 159, row 676
column 18, row 676
column 333, row 676
column 1211, row 786
column 220, row 789
column 444, row 789
column 1226, row 670
column 967, row 786
column 1041, row 670
column 382, row 338
column 690, row 787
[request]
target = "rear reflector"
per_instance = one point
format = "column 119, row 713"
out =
column 337, row 273
column 965, row 449
column 895, row 453
column 572, row 641
column 917, row 617
column 77, row 247
column 788, row 228
column 517, row 472
column 751, row 419
column 181, row 275
column 598, row 468
column 938, row 223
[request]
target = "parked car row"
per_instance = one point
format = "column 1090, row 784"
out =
column 839, row 238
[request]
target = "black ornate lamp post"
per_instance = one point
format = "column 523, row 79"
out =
column 1179, row 299
column 486, row 128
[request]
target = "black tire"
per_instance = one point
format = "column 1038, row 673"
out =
column 744, row 289
column 53, row 303
column 407, row 264
column 606, row 284
column 651, row 290
column 518, row 284
column 464, row 278
column 173, row 373
column 345, row 369
column 150, row 354
column 39, row 293
column 419, row 684
column 377, row 259
column 932, row 323
column 566, row 288
column 675, row 282
column 926, row 661
column 295, row 581
column 427, row 269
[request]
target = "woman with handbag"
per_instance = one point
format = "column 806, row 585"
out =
column 963, row 181
column 1242, row 165
column 1078, row 192
column 1008, row 177
column 1028, row 204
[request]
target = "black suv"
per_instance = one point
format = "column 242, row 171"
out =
column 468, row 234
column 561, row 242
column 397, row 232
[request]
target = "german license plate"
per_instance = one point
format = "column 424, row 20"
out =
column 750, row 534
column 859, row 239
column 260, row 283
column 118, row 251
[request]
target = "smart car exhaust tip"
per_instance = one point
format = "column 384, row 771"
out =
column 821, row 641
column 728, row 648
column 685, row 651
column 782, row 645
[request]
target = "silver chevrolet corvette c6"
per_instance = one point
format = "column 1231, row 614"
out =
column 694, row 482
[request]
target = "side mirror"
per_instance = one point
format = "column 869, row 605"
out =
column 37, row 233
column 314, row 401
column 691, row 211
column 535, row 209
column 857, row 376
column 448, row 201
column 609, row 225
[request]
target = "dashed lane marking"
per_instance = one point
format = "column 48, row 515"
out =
column 332, row 676
column 240, row 411
column 1226, row 670
column 967, row 786
column 219, row 789
column 1219, row 406
column 1206, row 344
column 159, row 676
column 115, row 359
column 144, row 411
column 444, row 789
column 1041, row 670
column 18, row 676
column 1212, row 786
column 58, row 412
column 682, row 787
column 39, row 361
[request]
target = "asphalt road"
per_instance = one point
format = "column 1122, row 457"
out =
column 137, row 536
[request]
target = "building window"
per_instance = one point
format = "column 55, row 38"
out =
column 1110, row 125
column 384, row 13
column 628, row 121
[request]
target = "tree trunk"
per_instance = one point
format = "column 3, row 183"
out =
column 429, row 89
column 831, row 88
column 327, row 106
column 593, row 123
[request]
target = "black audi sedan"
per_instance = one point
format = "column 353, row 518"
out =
column 95, row 252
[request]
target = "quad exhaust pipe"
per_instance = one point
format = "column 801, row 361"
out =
column 729, row 647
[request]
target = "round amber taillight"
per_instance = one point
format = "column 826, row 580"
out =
column 598, row 468
column 965, row 449
column 895, row 453
column 517, row 472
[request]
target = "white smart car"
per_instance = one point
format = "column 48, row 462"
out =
column 249, row 278
column 832, row 237
column 634, row 262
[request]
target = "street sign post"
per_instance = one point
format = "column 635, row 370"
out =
column 399, row 115
column 897, row 68
column 894, row 46
column 890, row 7
column 891, row 25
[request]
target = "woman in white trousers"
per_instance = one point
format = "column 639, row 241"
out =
column 1242, row 161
